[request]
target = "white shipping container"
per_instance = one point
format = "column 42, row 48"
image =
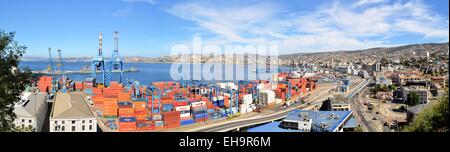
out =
column 278, row 101
column 198, row 104
column 247, row 98
column 184, row 115
column 182, row 108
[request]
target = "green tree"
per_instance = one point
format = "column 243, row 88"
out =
column 13, row 81
column 434, row 118
column 392, row 87
column 412, row 99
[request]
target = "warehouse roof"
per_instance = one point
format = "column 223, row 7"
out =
column 29, row 104
column 70, row 105
column 332, row 119
column 271, row 127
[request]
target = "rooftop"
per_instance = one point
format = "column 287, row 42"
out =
column 29, row 104
column 331, row 119
column 70, row 105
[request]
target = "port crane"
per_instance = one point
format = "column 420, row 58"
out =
column 50, row 66
column 106, row 67
column 98, row 63
column 156, row 95
column 61, row 69
column 115, row 63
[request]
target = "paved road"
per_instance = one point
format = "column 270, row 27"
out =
column 260, row 119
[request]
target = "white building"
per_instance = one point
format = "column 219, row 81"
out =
column 30, row 111
column 71, row 113
column 424, row 94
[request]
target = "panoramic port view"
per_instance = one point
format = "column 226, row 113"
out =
column 224, row 66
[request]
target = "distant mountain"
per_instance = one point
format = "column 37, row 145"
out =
column 418, row 48
column 390, row 52
column 379, row 52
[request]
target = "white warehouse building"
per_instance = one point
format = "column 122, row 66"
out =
column 30, row 111
column 70, row 113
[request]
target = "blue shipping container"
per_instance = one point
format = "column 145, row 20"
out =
column 127, row 119
column 167, row 107
column 187, row 122
column 159, row 123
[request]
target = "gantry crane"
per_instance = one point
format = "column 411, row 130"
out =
column 98, row 63
column 50, row 67
column 61, row 69
column 115, row 63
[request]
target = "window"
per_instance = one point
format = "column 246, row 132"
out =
column 29, row 121
column 63, row 127
column 82, row 121
column 23, row 120
column 73, row 122
column 90, row 127
column 23, row 126
column 56, row 128
column 90, row 121
column 82, row 128
column 73, row 128
column 29, row 126
column 56, row 122
column 63, row 122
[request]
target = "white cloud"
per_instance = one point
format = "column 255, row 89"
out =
column 123, row 11
column 147, row 1
column 366, row 2
column 328, row 28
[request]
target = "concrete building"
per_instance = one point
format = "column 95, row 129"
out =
column 440, row 81
column 70, row 113
column 376, row 67
column 335, row 104
column 30, row 111
column 424, row 94
column 402, row 79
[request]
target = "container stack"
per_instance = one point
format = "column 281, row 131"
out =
column 127, row 123
column 246, row 105
column 267, row 98
column 78, row 86
column 199, row 110
column 98, row 102
column 159, row 123
column 88, row 87
column 171, row 119
column 45, row 83
column 97, row 91
column 110, row 107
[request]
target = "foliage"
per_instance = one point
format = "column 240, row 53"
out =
column 392, row 87
column 13, row 80
column 412, row 99
column 433, row 118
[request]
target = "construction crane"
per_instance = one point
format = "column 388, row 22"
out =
column 98, row 63
column 50, row 66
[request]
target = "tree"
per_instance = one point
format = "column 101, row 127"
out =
column 434, row 118
column 412, row 99
column 13, row 81
column 392, row 87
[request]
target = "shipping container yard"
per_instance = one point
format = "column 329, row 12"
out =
column 165, row 105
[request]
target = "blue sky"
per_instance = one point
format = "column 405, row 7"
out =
column 150, row 27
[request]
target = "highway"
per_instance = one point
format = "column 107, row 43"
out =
column 260, row 119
